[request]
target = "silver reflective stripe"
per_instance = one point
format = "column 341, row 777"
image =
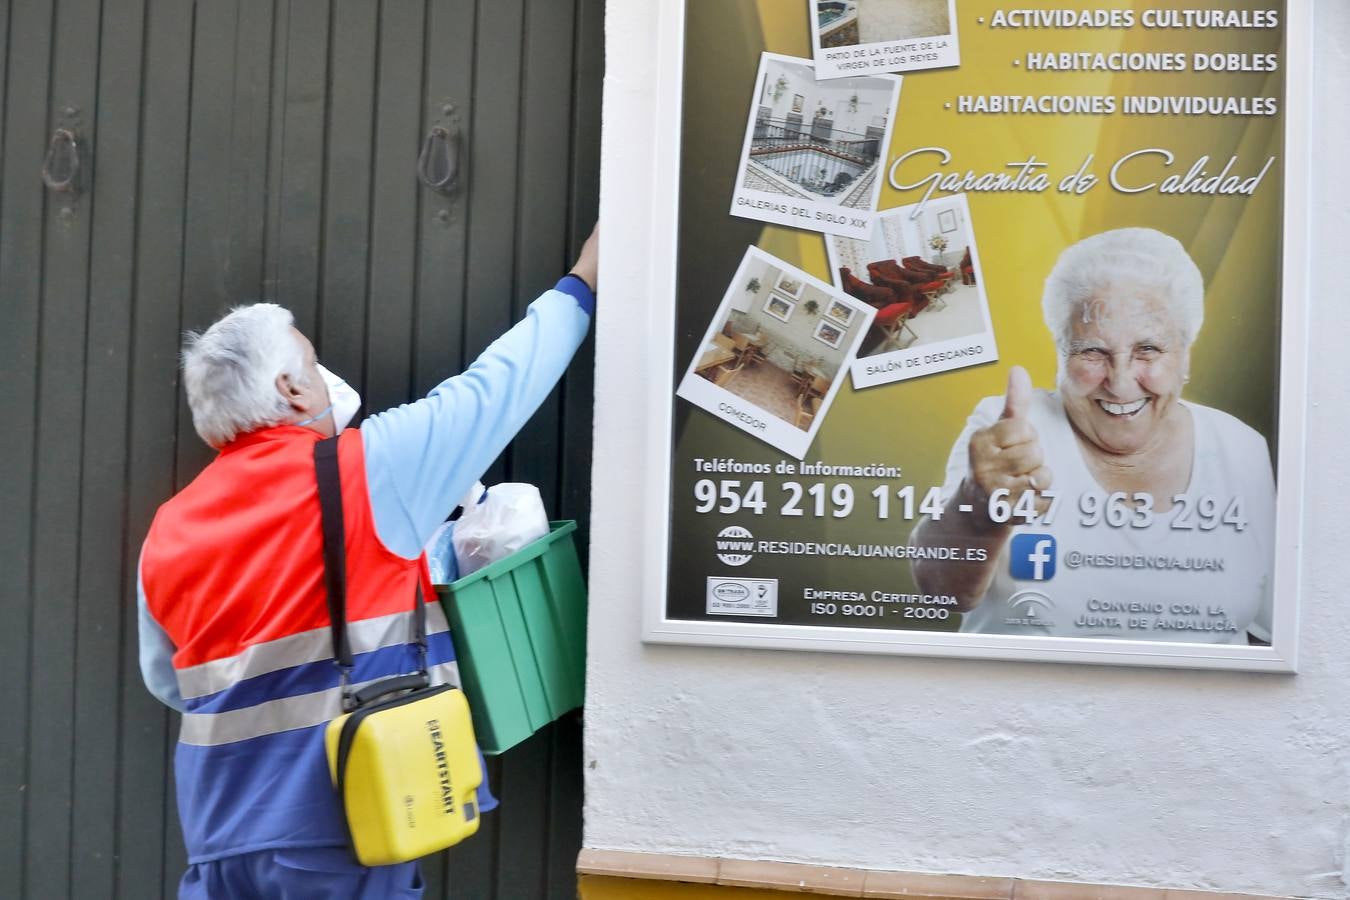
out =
column 306, row 647
column 287, row 714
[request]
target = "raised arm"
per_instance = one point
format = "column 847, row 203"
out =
column 421, row 457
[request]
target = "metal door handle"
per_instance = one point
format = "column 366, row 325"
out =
column 438, row 163
column 61, row 167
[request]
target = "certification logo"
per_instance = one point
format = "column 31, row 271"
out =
column 1032, row 557
column 743, row 597
column 734, row 544
column 1030, row 608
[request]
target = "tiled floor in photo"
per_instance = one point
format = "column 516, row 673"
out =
column 894, row 20
column 766, row 386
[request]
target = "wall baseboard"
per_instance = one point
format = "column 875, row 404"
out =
column 714, row 877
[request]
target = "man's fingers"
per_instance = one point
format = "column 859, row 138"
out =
column 588, row 262
column 1017, row 400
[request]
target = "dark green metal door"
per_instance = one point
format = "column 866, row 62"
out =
column 231, row 150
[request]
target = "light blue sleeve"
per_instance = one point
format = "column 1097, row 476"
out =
column 156, row 653
column 421, row 457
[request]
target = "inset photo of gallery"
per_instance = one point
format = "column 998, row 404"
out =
column 814, row 151
column 922, row 275
column 775, row 352
column 857, row 37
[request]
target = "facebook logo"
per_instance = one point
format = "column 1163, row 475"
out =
column 1033, row 557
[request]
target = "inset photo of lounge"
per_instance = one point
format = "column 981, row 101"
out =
column 814, row 151
column 922, row 276
column 776, row 352
column 858, row 37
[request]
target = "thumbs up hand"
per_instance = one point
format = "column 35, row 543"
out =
column 1008, row 453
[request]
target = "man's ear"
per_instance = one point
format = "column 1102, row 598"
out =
column 291, row 392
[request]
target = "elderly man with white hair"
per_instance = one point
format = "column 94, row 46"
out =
column 1109, row 507
column 234, row 625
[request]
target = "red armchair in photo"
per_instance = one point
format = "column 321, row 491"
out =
column 919, row 264
column 877, row 296
column 888, row 274
column 892, row 271
column 925, row 280
column 967, row 269
column 918, row 288
column 905, row 285
column 930, row 271
column 893, row 321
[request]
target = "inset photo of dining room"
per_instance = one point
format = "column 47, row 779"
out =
column 922, row 275
column 775, row 352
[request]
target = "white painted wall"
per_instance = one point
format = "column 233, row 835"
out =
column 1187, row 779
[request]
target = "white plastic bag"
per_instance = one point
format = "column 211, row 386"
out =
column 440, row 549
column 507, row 519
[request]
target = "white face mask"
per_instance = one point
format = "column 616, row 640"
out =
column 343, row 401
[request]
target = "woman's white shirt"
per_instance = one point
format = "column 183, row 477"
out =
column 1160, row 581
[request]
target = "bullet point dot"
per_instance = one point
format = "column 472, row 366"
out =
column 1016, row 63
column 980, row 20
column 947, row 105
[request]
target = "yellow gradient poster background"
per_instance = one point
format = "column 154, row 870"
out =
column 1236, row 241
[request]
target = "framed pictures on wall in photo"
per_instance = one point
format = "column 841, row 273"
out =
column 780, row 307
column 789, row 286
column 840, row 313
column 828, row 333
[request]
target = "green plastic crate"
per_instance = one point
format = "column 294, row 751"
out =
column 519, row 627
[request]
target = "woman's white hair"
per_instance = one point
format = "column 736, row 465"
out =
column 230, row 371
column 1140, row 257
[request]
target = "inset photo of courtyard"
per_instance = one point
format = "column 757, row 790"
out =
column 814, row 151
column 922, row 275
column 856, row 37
column 775, row 352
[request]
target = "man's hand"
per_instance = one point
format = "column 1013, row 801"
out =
column 1008, row 453
column 588, row 262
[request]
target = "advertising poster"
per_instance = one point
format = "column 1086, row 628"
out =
column 1039, row 393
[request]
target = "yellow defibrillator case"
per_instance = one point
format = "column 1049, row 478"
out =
column 406, row 771
column 403, row 756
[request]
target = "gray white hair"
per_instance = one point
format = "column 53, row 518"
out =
column 1140, row 257
column 230, row 371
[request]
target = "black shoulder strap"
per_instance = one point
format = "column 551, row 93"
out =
column 335, row 577
column 334, row 546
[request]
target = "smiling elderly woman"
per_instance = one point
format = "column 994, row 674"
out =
column 1109, row 507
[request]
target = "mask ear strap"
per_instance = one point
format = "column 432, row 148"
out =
column 314, row 418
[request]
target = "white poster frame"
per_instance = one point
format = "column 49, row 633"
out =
column 658, row 395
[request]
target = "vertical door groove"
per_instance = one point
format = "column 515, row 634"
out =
column 239, row 150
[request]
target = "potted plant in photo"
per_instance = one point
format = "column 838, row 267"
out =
column 811, row 307
column 939, row 245
column 753, row 286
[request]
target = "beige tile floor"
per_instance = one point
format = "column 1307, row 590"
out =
column 893, row 20
column 766, row 386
